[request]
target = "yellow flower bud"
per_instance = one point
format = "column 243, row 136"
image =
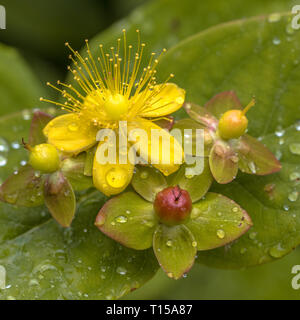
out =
column 44, row 157
column 233, row 123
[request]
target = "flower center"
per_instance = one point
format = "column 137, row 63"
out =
column 116, row 106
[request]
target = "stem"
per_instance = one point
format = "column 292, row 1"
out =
column 249, row 106
column 26, row 145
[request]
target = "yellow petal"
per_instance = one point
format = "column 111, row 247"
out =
column 165, row 157
column 68, row 134
column 111, row 178
column 168, row 99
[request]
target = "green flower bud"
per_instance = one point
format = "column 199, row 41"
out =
column 44, row 157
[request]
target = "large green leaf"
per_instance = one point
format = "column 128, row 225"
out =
column 257, row 57
column 46, row 261
column 19, row 89
column 164, row 23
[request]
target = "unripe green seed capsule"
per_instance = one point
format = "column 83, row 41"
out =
column 44, row 157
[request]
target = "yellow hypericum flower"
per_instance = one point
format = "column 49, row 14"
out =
column 112, row 89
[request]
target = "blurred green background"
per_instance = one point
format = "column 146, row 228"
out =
column 39, row 29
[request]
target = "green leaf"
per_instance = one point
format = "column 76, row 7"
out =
column 45, row 261
column 19, row 89
column 148, row 181
column 180, row 20
column 255, row 158
column 23, row 188
column 196, row 185
column 240, row 56
column 217, row 220
column 175, row 250
column 38, row 123
column 73, row 170
column 223, row 162
column 128, row 219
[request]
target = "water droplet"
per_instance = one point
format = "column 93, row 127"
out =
column 116, row 177
column 26, row 114
column 128, row 212
column 235, row 209
column 297, row 125
column 2, row 277
column 277, row 251
column 252, row 167
column 289, row 29
column 276, row 41
column 221, row 234
column 122, row 271
column 286, row 207
column 144, row 175
column 3, row 161
column 219, row 214
column 278, row 154
column 4, row 147
column 274, row 17
column 195, row 213
column 252, row 235
column 170, row 274
column 103, row 269
column 295, row 148
column 279, row 131
column 121, row 219
column 11, row 298
column 281, row 141
column 15, row 145
column 33, row 282
column 169, row 243
column 179, row 100
column 295, row 176
column 293, row 196
column 73, row 127
column 194, row 244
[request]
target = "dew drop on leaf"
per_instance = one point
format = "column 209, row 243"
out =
column 2, row 277
column 277, row 251
column 121, row 219
column 274, row 17
column 221, row 234
column 169, row 243
column 122, row 271
column 293, row 196
column 295, row 148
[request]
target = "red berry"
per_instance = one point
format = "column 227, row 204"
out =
column 173, row 205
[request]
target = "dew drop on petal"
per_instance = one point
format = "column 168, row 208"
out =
column 116, row 177
column 73, row 127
